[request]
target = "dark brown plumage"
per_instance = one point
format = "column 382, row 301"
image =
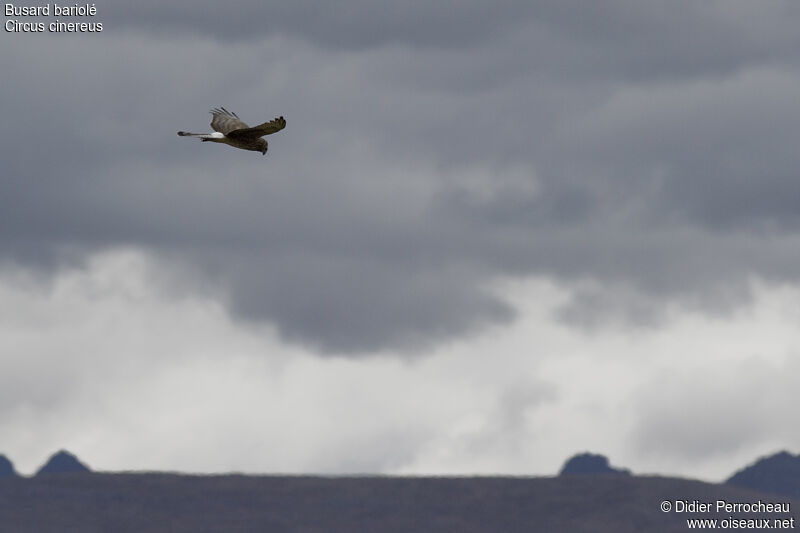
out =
column 231, row 130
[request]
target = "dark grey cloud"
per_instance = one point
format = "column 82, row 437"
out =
column 639, row 153
column 352, row 24
column 655, row 40
column 720, row 152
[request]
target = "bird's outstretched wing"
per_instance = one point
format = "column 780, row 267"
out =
column 276, row 124
column 225, row 122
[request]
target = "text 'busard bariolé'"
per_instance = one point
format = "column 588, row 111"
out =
column 26, row 25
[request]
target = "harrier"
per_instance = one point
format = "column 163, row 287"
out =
column 230, row 130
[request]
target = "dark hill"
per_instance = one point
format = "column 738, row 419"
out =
column 778, row 474
column 6, row 467
column 589, row 463
column 155, row 503
column 62, row 462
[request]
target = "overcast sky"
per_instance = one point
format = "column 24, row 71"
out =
column 492, row 235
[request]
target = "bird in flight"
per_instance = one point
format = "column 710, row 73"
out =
column 230, row 130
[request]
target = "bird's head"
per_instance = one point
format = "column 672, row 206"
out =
column 262, row 145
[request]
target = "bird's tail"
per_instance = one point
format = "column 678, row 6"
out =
column 216, row 137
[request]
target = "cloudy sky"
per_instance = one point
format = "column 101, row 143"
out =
column 492, row 235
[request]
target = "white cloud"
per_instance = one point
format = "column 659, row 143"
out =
column 104, row 363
